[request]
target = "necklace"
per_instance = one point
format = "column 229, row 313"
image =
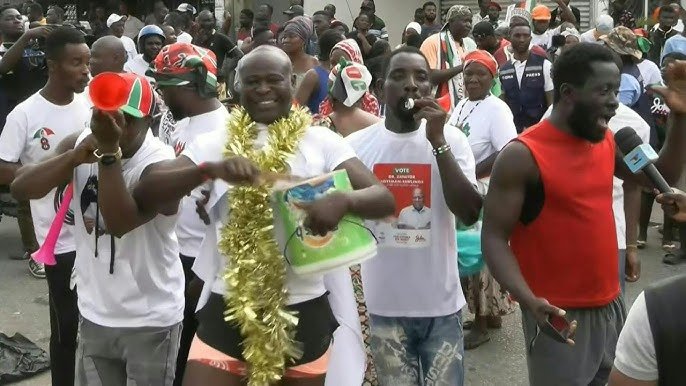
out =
column 255, row 274
column 460, row 125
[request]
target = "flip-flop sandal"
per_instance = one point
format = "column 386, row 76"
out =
column 468, row 325
column 475, row 339
column 641, row 244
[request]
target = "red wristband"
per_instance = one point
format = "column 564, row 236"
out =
column 204, row 172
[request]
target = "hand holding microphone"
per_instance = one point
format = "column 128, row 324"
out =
column 639, row 156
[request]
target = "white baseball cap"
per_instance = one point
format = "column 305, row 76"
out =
column 114, row 18
column 604, row 24
column 185, row 7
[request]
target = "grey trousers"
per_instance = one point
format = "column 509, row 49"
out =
column 589, row 361
column 140, row 356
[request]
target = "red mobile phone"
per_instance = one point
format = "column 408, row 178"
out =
column 557, row 328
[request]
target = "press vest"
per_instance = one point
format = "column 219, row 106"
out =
column 528, row 101
column 568, row 252
column 665, row 302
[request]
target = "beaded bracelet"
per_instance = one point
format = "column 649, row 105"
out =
column 440, row 150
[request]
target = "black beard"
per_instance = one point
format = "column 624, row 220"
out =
column 431, row 20
column 584, row 124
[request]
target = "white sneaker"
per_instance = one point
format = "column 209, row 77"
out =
column 37, row 270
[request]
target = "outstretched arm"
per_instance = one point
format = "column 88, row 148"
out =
column 35, row 181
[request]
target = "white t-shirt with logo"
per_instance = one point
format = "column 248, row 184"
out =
column 624, row 116
column 650, row 73
column 415, row 271
column 31, row 134
column 146, row 284
column 190, row 229
column 488, row 125
column 319, row 152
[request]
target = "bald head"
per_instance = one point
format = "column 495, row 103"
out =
column 273, row 55
column 107, row 55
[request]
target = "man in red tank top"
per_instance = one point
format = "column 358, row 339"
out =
column 548, row 188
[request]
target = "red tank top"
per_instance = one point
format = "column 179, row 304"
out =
column 568, row 253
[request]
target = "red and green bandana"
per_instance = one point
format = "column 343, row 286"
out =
column 182, row 64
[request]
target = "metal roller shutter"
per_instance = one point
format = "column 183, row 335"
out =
column 583, row 5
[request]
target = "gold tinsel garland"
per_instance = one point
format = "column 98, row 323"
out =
column 256, row 271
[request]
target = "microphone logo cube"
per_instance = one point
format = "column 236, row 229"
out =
column 640, row 157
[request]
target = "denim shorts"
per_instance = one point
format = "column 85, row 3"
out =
column 418, row 351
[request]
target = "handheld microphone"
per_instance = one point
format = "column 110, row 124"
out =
column 639, row 156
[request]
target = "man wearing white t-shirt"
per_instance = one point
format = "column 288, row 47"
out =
column 267, row 95
column 128, row 273
column 412, row 287
column 116, row 25
column 32, row 132
column 192, row 100
column 150, row 42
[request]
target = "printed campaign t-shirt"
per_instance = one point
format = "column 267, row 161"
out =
column 320, row 151
column 488, row 125
column 190, row 229
column 144, row 287
column 415, row 271
column 32, row 132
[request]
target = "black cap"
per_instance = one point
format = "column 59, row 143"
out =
column 483, row 29
column 295, row 10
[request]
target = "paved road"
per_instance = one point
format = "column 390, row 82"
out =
column 499, row 362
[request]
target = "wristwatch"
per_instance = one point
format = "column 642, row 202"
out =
column 108, row 158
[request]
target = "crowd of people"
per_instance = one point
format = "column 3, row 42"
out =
column 479, row 151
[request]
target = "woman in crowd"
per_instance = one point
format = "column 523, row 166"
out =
column 293, row 40
column 488, row 124
column 350, row 52
column 412, row 35
column 314, row 87
column 346, row 116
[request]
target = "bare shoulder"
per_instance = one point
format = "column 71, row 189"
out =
column 515, row 163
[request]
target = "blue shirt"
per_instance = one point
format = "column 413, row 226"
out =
column 629, row 90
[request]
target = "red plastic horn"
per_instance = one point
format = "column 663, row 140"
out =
column 108, row 91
